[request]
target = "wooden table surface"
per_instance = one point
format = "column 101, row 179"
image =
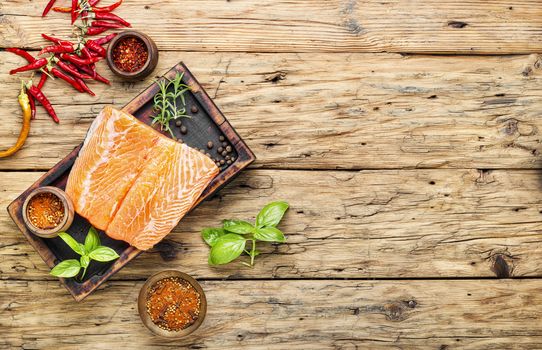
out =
column 406, row 135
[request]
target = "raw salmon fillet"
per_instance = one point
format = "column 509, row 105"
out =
column 134, row 183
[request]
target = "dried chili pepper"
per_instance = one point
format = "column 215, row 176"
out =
column 69, row 68
column 43, row 78
column 107, row 8
column 32, row 107
column 111, row 17
column 27, row 56
column 37, row 64
column 90, row 31
column 75, row 6
column 62, row 48
column 48, row 8
column 62, row 9
column 93, row 2
column 105, row 39
column 40, row 97
column 78, row 60
column 104, row 24
column 24, row 102
column 96, row 76
column 56, row 40
column 91, row 44
column 84, row 86
column 70, row 80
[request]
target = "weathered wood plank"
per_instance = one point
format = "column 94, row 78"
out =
column 481, row 27
column 286, row 314
column 385, row 224
column 327, row 111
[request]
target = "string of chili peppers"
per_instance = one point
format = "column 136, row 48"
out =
column 71, row 61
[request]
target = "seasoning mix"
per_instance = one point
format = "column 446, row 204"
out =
column 173, row 304
column 45, row 211
column 130, row 54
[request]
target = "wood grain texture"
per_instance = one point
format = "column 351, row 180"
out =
column 328, row 111
column 370, row 224
column 430, row 26
column 286, row 314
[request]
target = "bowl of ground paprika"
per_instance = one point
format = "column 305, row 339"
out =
column 132, row 55
column 172, row 304
column 47, row 211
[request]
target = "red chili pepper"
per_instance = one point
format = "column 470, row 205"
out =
column 111, row 17
column 95, row 30
column 78, row 60
column 43, row 78
column 56, row 40
column 32, row 102
column 57, row 49
column 70, row 80
column 107, row 8
column 93, row 2
column 48, row 8
column 70, row 68
column 91, row 44
column 90, row 69
column 105, row 39
column 96, row 76
column 40, row 97
column 105, row 24
column 21, row 53
column 85, row 87
column 75, row 7
column 37, row 64
column 62, row 9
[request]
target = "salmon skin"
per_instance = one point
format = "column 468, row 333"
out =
column 133, row 182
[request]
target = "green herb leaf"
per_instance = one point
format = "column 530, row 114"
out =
column 238, row 226
column 84, row 261
column 226, row 249
column 74, row 245
column 92, row 241
column 211, row 235
column 271, row 214
column 66, row 268
column 103, row 254
column 270, row 234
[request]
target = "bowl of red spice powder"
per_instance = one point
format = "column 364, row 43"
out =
column 132, row 55
column 172, row 304
column 47, row 211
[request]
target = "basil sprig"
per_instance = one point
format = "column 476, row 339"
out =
column 90, row 250
column 229, row 241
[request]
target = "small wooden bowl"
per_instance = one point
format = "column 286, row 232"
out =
column 69, row 212
column 142, row 304
column 147, row 68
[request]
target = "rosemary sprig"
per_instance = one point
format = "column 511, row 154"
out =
column 166, row 102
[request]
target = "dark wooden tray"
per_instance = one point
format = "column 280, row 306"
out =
column 208, row 123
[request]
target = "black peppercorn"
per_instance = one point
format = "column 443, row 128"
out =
column 210, row 145
column 194, row 109
column 184, row 130
column 221, row 138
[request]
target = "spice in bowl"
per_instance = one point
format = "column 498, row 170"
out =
column 173, row 304
column 45, row 211
column 130, row 54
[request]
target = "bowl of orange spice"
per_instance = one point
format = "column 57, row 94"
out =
column 172, row 304
column 47, row 211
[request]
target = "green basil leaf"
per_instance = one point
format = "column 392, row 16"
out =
column 211, row 235
column 92, row 241
column 84, row 260
column 66, row 268
column 103, row 254
column 74, row 245
column 271, row 214
column 270, row 234
column 226, row 249
column 238, row 226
